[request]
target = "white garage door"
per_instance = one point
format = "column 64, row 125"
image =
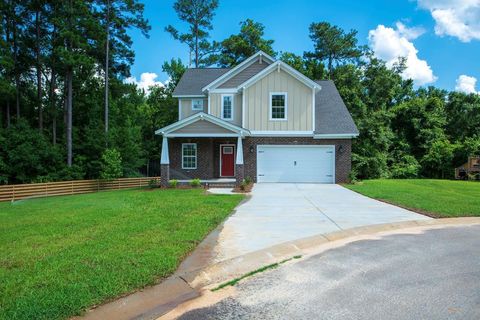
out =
column 282, row 163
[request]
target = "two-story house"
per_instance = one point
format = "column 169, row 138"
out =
column 261, row 119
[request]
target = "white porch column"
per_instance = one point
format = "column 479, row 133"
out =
column 164, row 164
column 239, row 167
column 239, row 159
column 164, row 159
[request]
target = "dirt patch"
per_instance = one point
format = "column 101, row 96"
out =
column 207, row 299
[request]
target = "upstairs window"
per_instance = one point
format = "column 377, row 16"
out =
column 227, row 107
column 189, row 156
column 278, row 106
column 197, row 104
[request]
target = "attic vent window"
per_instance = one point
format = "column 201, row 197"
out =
column 197, row 105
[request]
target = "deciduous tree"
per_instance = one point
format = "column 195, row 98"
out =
column 239, row 47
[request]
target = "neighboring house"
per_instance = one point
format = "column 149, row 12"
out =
column 261, row 119
column 469, row 170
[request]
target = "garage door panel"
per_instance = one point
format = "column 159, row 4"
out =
column 295, row 164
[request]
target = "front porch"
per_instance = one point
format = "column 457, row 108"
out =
column 202, row 158
column 202, row 147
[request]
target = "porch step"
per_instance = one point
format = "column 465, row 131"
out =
column 221, row 185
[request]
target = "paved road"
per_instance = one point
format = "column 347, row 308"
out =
column 281, row 212
column 432, row 275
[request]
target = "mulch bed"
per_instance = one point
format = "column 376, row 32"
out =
column 246, row 189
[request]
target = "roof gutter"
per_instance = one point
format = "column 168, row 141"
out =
column 335, row 136
column 188, row 96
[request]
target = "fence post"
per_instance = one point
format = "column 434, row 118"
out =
column 13, row 193
column 72, row 186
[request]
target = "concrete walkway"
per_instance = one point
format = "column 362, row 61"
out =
column 277, row 213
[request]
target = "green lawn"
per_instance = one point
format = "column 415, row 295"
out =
column 61, row 255
column 437, row 198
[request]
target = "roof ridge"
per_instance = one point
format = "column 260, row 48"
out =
column 209, row 68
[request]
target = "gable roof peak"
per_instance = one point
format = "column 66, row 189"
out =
column 201, row 116
column 279, row 64
column 238, row 68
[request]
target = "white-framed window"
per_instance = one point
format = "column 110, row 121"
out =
column 278, row 106
column 189, row 156
column 197, row 104
column 227, row 106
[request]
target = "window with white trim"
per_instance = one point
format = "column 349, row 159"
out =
column 227, row 106
column 189, row 156
column 197, row 104
column 278, row 106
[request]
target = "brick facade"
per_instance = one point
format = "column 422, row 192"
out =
column 208, row 155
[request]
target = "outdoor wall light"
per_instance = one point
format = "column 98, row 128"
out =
column 340, row 149
column 252, row 149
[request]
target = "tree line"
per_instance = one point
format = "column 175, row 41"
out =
column 67, row 113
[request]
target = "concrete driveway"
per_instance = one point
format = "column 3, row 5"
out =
column 282, row 212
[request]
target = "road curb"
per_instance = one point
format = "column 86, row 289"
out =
column 233, row 268
column 158, row 300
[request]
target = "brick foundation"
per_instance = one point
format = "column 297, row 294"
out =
column 239, row 173
column 164, row 175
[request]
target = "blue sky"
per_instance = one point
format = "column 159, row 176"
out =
column 441, row 37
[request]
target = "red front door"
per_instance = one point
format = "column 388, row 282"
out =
column 227, row 162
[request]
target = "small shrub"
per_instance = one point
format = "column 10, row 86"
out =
column 195, row 183
column 243, row 185
column 352, row 177
column 173, row 183
column 111, row 164
column 405, row 168
column 152, row 184
column 248, row 180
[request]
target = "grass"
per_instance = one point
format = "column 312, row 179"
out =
column 251, row 273
column 62, row 255
column 437, row 198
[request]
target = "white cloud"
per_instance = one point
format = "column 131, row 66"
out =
column 390, row 44
column 456, row 18
column 409, row 33
column 147, row 80
column 466, row 84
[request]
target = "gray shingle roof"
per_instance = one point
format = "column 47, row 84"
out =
column 193, row 80
column 332, row 116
